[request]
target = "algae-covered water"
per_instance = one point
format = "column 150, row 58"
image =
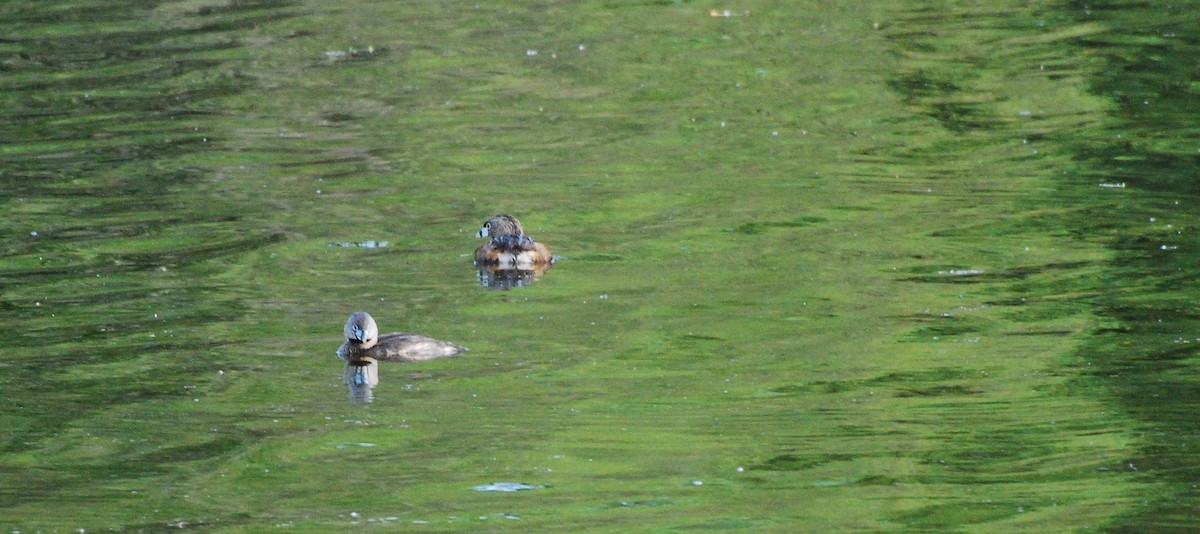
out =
column 823, row 266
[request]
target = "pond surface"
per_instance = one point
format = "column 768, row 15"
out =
column 856, row 266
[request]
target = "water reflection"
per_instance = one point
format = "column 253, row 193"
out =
column 496, row 277
column 361, row 377
column 112, row 302
column 1129, row 183
column 934, row 397
column 1145, row 361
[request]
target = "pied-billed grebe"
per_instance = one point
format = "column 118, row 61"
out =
column 364, row 344
column 509, row 247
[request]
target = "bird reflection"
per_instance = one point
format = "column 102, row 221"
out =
column 365, row 348
column 361, row 377
column 496, row 277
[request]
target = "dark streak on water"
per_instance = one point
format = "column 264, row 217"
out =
column 1147, row 357
column 1149, row 361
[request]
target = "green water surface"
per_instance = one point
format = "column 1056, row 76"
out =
column 823, row 266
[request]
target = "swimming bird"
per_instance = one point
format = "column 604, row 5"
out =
column 363, row 343
column 509, row 247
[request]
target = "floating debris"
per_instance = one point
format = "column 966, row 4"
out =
column 351, row 52
column 961, row 272
column 1116, row 185
column 725, row 13
column 360, row 244
column 507, row 486
column 360, row 444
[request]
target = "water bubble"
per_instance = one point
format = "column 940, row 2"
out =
column 507, row 487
